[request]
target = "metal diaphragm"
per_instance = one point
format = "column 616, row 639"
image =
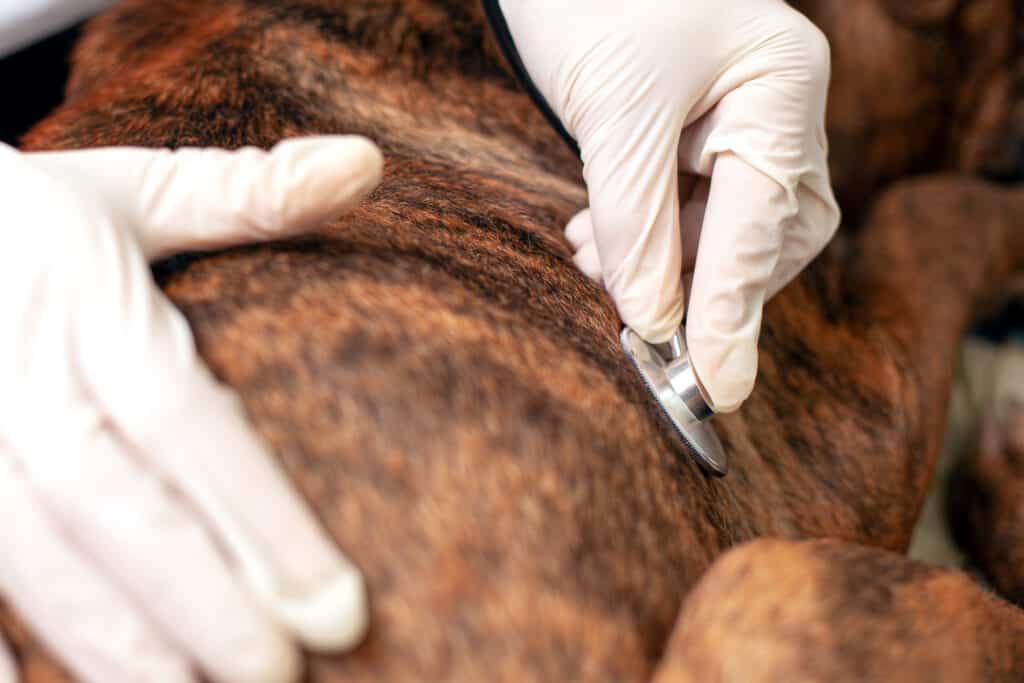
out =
column 671, row 379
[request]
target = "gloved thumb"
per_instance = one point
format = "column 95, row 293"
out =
column 740, row 244
column 196, row 199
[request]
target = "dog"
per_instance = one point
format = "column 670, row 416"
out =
column 449, row 393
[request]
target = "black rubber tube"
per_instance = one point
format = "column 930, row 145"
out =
column 508, row 47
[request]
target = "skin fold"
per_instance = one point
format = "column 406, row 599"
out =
column 449, row 393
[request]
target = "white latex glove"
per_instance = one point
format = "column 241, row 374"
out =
column 148, row 534
column 701, row 127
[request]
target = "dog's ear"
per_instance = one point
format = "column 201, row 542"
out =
column 920, row 13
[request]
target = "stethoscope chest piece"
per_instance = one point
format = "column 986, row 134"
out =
column 668, row 374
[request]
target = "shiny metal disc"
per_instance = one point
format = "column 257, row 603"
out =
column 667, row 372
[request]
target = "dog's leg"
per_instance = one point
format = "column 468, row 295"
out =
column 829, row 611
column 935, row 252
column 987, row 502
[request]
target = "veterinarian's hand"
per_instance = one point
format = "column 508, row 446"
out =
column 701, row 127
column 148, row 534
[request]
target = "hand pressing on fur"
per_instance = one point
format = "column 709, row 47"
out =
column 701, row 126
column 148, row 533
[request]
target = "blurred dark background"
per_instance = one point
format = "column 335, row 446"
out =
column 34, row 82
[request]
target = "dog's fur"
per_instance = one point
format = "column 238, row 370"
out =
column 449, row 393
column 988, row 502
column 918, row 85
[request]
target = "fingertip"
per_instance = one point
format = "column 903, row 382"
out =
column 655, row 321
column 580, row 230
column 281, row 663
column 274, row 659
column 726, row 366
column 334, row 154
column 589, row 263
column 8, row 673
column 331, row 617
column 359, row 153
column 316, row 179
column 580, row 233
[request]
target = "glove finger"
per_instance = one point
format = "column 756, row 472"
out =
column 289, row 562
column 91, row 626
column 580, row 230
column 196, row 199
column 693, row 192
column 141, row 366
column 738, row 253
column 589, row 262
column 580, row 233
column 8, row 672
column 110, row 339
column 131, row 354
column 812, row 229
column 632, row 180
column 125, row 518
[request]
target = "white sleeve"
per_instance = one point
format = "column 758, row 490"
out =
column 22, row 22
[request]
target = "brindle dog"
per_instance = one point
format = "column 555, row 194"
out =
column 449, row 393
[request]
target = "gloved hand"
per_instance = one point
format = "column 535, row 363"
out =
column 147, row 531
column 701, row 127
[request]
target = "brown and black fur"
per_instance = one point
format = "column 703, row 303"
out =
column 988, row 501
column 449, row 393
